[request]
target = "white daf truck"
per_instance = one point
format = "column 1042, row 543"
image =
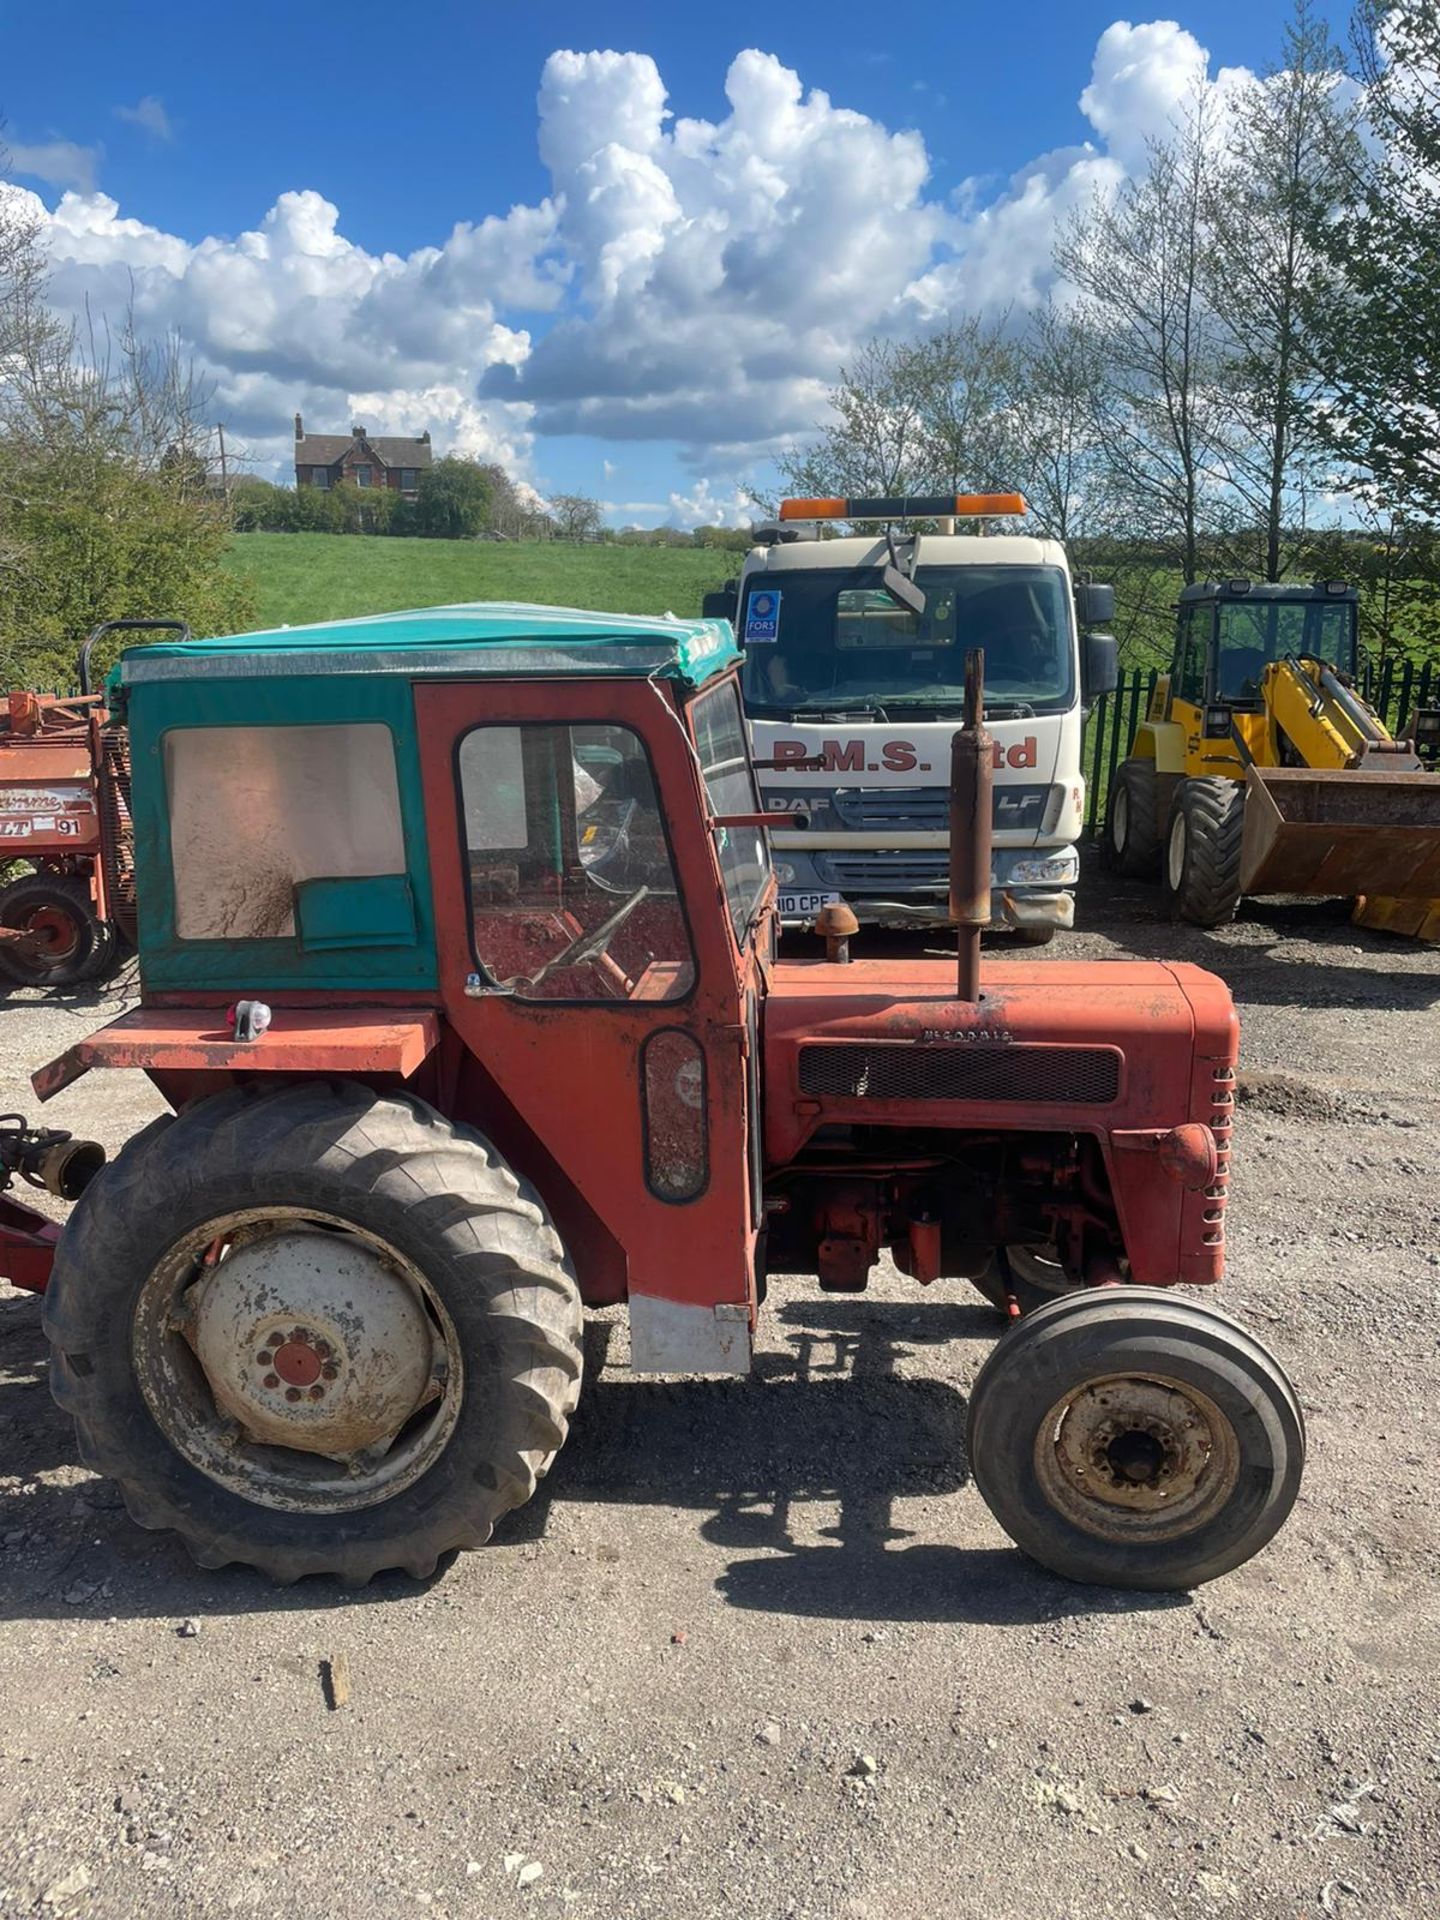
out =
column 854, row 663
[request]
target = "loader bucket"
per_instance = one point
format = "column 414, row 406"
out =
column 1341, row 833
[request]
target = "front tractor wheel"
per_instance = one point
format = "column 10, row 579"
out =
column 315, row 1329
column 1202, row 852
column 1132, row 826
column 1128, row 1438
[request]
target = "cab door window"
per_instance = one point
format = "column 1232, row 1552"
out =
column 572, row 887
column 1190, row 660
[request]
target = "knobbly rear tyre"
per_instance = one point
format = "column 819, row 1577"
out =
column 1180, row 1357
column 382, row 1167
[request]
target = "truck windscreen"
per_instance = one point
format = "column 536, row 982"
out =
column 821, row 640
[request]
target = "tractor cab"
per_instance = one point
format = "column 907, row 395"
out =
column 456, row 937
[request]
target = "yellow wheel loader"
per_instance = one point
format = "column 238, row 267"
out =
column 1259, row 768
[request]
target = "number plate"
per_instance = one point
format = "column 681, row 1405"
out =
column 796, row 906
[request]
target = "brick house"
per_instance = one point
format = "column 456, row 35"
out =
column 359, row 459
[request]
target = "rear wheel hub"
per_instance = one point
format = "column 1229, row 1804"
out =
column 299, row 1361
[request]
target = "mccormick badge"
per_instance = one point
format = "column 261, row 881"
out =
column 762, row 617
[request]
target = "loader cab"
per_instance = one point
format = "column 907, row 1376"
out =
column 1228, row 632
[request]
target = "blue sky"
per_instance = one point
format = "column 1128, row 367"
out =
column 662, row 310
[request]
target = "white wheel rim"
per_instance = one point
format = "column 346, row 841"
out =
column 1120, row 819
column 1175, row 857
column 320, row 1375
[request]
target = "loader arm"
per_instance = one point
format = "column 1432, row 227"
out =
column 1326, row 722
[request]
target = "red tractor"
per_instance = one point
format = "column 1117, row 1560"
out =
column 457, row 938
column 68, row 913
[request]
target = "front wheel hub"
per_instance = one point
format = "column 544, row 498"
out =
column 312, row 1340
column 1137, row 1457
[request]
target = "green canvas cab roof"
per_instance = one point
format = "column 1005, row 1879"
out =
column 482, row 637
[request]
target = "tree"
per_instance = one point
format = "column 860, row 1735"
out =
column 576, row 516
column 1061, row 459
column 914, row 417
column 1138, row 259
column 1291, row 146
column 1378, row 342
column 104, row 510
column 452, row 499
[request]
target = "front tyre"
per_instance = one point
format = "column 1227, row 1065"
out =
column 1202, row 852
column 315, row 1329
column 1132, row 826
column 1125, row 1437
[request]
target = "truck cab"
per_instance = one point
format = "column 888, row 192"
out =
column 854, row 652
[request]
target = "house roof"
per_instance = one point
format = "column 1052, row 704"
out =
column 324, row 449
column 483, row 637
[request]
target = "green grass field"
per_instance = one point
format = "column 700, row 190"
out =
column 299, row 577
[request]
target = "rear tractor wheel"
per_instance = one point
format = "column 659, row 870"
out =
column 1132, row 825
column 1202, row 852
column 316, row 1330
column 1128, row 1438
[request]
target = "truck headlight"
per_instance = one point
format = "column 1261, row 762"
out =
column 784, row 872
column 1058, row 867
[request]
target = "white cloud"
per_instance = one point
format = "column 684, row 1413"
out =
column 148, row 114
column 685, row 280
column 60, row 163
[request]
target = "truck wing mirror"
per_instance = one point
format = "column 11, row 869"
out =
column 904, row 591
column 1099, row 664
column 1094, row 604
column 723, row 603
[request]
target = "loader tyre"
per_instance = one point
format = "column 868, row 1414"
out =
column 1132, row 825
column 315, row 1329
column 56, row 910
column 1125, row 1437
column 1202, row 852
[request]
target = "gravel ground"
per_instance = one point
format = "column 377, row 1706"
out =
column 758, row 1649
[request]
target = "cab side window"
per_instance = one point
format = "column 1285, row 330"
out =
column 1190, row 658
column 572, row 887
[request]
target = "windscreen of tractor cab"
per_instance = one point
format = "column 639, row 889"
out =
column 839, row 640
column 572, row 889
column 730, row 785
column 1255, row 632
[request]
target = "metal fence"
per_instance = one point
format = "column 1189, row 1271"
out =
column 1394, row 689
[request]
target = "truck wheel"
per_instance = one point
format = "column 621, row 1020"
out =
column 56, row 911
column 1202, row 852
column 1128, row 1438
column 315, row 1329
column 1132, row 826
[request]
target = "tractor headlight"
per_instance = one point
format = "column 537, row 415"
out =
column 1217, row 723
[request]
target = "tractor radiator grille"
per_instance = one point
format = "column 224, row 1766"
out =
column 1086, row 1076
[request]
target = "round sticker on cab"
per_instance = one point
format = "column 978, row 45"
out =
column 762, row 617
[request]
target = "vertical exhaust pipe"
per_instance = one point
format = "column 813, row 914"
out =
column 972, row 771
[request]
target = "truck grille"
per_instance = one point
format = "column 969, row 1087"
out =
column 959, row 1070
column 927, row 809
column 866, row 874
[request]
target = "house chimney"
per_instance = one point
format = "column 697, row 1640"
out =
column 299, row 428
column 358, row 432
column 425, row 437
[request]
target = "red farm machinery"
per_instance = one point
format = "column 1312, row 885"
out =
column 459, row 977
column 67, row 901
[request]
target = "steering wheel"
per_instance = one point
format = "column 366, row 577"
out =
column 587, row 946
